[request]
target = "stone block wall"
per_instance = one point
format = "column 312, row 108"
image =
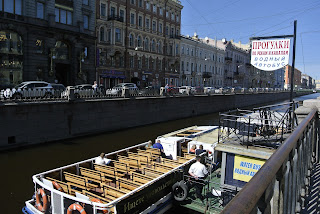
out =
column 33, row 123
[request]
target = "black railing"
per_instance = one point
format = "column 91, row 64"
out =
column 115, row 18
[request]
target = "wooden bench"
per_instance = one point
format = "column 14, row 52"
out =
column 171, row 163
column 123, row 167
column 63, row 185
column 189, row 156
column 144, row 159
column 131, row 162
column 182, row 159
column 140, row 178
column 161, row 167
column 78, row 182
column 182, row 135
column 155, row 151
column 113, row 192
column 109, row 171
column 152, row 172
column 93, row 175
column 126, row 184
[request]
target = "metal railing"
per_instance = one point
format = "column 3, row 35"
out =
column 281, row 185
column 9, row 95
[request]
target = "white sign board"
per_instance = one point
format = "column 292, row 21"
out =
column 270, row 55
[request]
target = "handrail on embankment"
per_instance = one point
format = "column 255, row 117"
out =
column 279, row 186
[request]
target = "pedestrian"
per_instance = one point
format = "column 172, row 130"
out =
column 193, row 149
column 102, row 160
column 200, row 150
column 198, row 172
column 149, row 145
column 166, row 87
column 95, row 85
column 159, row 146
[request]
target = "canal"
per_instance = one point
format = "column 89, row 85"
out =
column 18, row 166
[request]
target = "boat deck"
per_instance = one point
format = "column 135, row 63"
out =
column 212, row 204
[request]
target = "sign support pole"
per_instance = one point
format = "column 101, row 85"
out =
column 293, row 60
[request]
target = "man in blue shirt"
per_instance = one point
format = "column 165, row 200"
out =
column 159, row 146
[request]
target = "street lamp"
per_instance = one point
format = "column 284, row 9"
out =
column 52, row 57
column 81, row 60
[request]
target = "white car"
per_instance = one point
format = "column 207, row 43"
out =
column 210, row 90
column 183, row 89
column 29, row 89
column 117, row 90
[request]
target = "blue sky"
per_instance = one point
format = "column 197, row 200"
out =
column 241, row 19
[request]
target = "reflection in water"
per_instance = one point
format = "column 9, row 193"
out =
column 18, row 166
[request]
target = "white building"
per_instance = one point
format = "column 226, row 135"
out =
column 201, row 63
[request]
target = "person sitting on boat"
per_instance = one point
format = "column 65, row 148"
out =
column 149, row 145
column 102, row 160
column 193, row 149
column 200, row 150
column 198, row 172
column 159, row 146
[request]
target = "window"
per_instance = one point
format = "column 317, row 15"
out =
column 112, row 61
column 172, row 31
column 177, row 49
column 159, row 47
column 121, row 61
column 112, row 12
column 187, row 51
column 85, row 22
column 140, row 21
column 86, row 2
column 177, row 18
column 131, row 39
column 140, row 3
column 63, row 16
column 122, row 14
column 139, row 62
column 11, row 6
column 154, row 8
column 172, row 16
column 160, row 64
column 167, row 14
column 177, row 32
column 167, row 30
column 160, row 27
column 103, row 9
column 131, row 62
column 146, row 44
column 102, row 34
column 118, row 35
column 147, row 5
column 139, row 41
column 153, row 46
column 40, row 10
column 160, row 11
column 187, row 67
column 182, row 65
column 192, row 67
column 109, row 38
column 154, row 26
column 132, row 18
column 132, row 1
column 147, row 63
column 182, row 49
column 147, row 23
column 191, row 52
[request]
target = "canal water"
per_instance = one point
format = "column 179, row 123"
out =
column 18, row 166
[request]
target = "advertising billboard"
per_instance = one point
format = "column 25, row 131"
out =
column 270, row 55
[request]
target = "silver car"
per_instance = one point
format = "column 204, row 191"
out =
column 29, row 89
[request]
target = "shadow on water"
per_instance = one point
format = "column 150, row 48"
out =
column 19, row 165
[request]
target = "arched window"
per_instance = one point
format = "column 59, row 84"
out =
column 62, row 50
column 159, row 47
column 139, row 41
column 146, row 44
column 102, row 36
column 131, row 40
column 11, row 58
column 153, row 46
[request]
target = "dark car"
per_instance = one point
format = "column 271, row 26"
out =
column 149, row 90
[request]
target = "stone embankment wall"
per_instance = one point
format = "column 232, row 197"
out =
column 33, row 123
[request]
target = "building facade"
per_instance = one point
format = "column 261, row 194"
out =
column 52, row 40
column 296, row 78
column 279, row 78
column 138, row 41
column 201, row 63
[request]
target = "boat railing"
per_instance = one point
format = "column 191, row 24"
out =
column 282, row 181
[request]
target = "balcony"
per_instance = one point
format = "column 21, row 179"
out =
column 206, row 75
column 228, row 59
column 115, row 18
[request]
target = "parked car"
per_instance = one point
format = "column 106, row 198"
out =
column 209, row 90
column 149, row 90
column 29, row 89
column 183, row 89
column 117, row 90
column 172, row 89
column 58, row 89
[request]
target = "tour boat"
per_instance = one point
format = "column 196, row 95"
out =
column 137, row 180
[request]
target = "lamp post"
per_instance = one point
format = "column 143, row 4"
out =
column 52, row 57
column 81, row 60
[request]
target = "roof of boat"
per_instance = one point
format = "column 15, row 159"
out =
column 190, row 132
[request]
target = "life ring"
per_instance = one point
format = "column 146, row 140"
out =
column 77, row 207
column 57, row 186
column 39, row 206
column 98, row 201
column 180, row 191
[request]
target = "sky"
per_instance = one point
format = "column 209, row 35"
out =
column 241, row 19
